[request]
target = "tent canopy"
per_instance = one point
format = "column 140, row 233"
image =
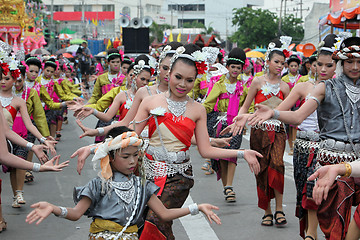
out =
column 348, row 18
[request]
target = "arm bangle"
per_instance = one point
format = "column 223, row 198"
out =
column 101, row 130
column 63, row 213
column 42, row 140
column 36, row 167
column 194, row 209
column 210, row 139
column 314, row 98
column 63, row 104
column 348, row 169
column 95, row 112
column 240, row 155
column 276, row 114
column 29, row 146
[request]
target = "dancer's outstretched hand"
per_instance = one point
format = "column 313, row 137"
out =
column 207, row 210
column 251, row 158
column 84, row 113
column 51, row 145
column 325, row 176
column 42, row 210
column 238, row 125
column 82, row 154
column 40, row 154
column 220, row 142
column 261, row 114
column 87, row 131
column 53, row 165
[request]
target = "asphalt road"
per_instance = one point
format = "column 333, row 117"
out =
column 240, row 220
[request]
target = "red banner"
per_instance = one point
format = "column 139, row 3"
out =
column 10, row 29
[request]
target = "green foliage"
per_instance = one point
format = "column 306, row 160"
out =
column 157, row 31
column 256, row 27
column 292, row 26
column 194, row 24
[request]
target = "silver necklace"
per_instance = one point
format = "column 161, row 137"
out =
column 6, row 101
column 353, row 92
column 293, row 78
column 177, row 108
column 124, row 190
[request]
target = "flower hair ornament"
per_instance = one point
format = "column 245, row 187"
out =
column 285, row 43
column 165, row 51
column 345, row 52
column 111, row 144
column 198, row 57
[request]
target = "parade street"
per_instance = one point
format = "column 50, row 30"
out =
column 240, row 220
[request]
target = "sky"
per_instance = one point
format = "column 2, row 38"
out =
column 291, row 5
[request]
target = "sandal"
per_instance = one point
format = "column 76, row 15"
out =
column 3, row 225
column 229, row 194
column 209, row 172
column 309, row 237
column 206, row 166
column 29, row 177
column 267, row 222
column 280, row 221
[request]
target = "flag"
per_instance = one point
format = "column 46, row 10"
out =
column 188, row 38
column 108, row 45
column 171, row 38
column 179, row 37
column 165, row 38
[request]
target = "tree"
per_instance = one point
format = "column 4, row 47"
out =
column 255, row 27
column 292, row 26
column 157, row 31
column 193, row 24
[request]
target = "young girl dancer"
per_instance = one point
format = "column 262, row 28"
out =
column 117, row 198
column 268, row 138
column 307, row 141
column 227, row 94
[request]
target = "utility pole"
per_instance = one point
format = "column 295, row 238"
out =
column 285, row 9
column 280, row 18
column 301, row 10
column 83, row 16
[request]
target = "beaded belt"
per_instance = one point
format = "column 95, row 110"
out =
column 308, row 135
column 334, row 152
column 269, row 125
column 157, row 169
column 162, row 154
column 306, row 141
column 107, row 235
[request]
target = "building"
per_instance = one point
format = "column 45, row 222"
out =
column 212, row 13
column 83, row 16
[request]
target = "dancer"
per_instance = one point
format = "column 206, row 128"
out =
column 268, row 138
column 117, row 186
column 334, row 99
column 307, row 141
column 228, row 94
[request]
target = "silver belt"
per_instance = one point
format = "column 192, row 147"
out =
column 162, row 154
column 308, row 135
column 338, row 146
column 269, row 125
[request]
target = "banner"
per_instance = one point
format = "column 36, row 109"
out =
column 338, row 5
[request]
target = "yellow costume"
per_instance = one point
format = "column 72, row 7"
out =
column 197, row 91
column 99, row 87
column 106, row 100
column 58, row 90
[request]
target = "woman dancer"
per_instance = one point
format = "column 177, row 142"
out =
column 116, row 200
column 334, row 99
column 307, row 141
column 268, row 138
column 227, row 94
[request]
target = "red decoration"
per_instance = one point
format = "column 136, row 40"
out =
column 152, row 71
column 201, row 67
column 5, row 68
column 286, row 53
column 15, row 73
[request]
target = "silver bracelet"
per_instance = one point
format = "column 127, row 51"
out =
column 63, row 104
column 314, row 98
column 29, row 146
column 210, row 139
column 63, row 213
column 101, row 130
column 36, row 167
column 42, row 140
column 194, row 209
column 276, row 114
column 93, row 148
column 95, row 112
column 240, row 155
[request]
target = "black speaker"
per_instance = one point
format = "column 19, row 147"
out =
column 136, row 40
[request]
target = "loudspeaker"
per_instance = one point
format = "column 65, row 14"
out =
column 124, row 22
column 135, row 23
column 147, row 21
column 136, row 40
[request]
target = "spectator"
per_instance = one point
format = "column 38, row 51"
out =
column 84, row 57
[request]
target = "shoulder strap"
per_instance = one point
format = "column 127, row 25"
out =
column 148, row 89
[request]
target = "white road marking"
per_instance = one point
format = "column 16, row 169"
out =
column 197, row 227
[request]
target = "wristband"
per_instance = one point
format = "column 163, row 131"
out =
column 63, row 213
column 210, row 139
column 101, row 130
column 194, row 209
column 63, row 104
column 240, row 155
column 36, row 167
column 42, row 140
column 29, row 146
column 93, row 148
column 95, row 112
column 348, row 169
column 276, row 114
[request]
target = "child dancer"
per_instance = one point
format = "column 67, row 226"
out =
column 117, row 198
